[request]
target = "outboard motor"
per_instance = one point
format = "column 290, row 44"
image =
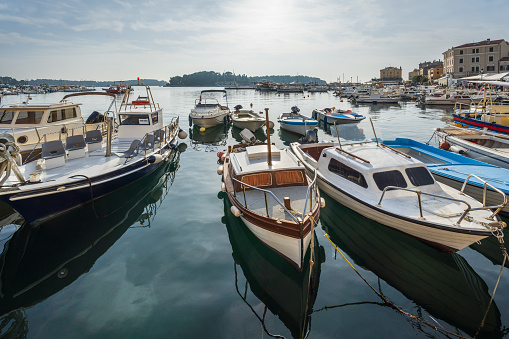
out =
column 95, row 118
column 295, row 109
column 238, row 107
column 310, row 137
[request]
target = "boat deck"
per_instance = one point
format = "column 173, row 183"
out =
column 256, row 201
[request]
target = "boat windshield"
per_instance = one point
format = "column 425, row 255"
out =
column 134, row 119
column 29, row 117
column 419, row 176
column 7, row 117
column 389, row 178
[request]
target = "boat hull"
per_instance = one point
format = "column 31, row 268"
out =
column 250, row 125
column 298, row 127
column 479, row 124
column 209, row 120
column 331, row 118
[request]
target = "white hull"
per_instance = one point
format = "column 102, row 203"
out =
column 378, row 100
column 207, row 119
column 285, row 245
column 299, row 129
column 250, row 125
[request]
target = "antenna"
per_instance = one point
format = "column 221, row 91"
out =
column 373, row 127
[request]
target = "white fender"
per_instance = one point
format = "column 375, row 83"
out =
column 223, row 187
column 322, row 202
column 235, row 211
column 220, row 170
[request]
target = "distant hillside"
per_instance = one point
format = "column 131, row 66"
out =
column 60, row 82
column 211, row 78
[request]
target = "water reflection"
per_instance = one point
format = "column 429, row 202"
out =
column 216, row 135
column 259, row 134
column 38, row 262
column 274, row 281
column 490, row 248
column 444, row 285
column 347, row 132
column 288, row 137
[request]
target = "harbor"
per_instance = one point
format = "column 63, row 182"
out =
column 167, row 255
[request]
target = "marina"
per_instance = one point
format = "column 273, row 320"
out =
column 166, row 257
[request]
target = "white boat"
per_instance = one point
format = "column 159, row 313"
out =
column 28, row 125
column 398, row 191
column 272, row 194
column 208, row 112
column 476, row 144
column 85, row 167
column 247, row 118
column 377, row 98
column 331, row 116
column 297, row 123
column 451, row 98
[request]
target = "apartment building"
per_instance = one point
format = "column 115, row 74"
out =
column 488, row 56
column 436, row 72
column 391, row 73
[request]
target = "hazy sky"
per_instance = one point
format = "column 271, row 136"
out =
column 120, row 40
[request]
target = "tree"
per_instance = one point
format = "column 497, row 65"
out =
column 419, row 78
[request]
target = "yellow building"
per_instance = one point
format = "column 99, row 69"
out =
column 436, row 72
column 412, row 74
column 390, row 73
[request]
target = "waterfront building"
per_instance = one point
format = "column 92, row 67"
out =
column 390, row 73
column 435, row 73
column 413, row 73
column 488, row 56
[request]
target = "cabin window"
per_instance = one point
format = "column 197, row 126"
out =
column 7, row 117
column 261, row 179
column 389, row 178
column 419, row 176
column 347, row 172
column 70, row 113
column 289, row 177
column 131, row 119
column 29, row 117
column 61, row 114
column 155, row 118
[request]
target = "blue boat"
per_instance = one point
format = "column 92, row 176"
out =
column 297, row 123
column 331, row 116
column 453, row 169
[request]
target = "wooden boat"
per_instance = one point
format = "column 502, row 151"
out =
column 284, row 291
column 331, row 116
column 272, row 194
column 296, row 123
column 398, row 191
column 444, row 285
column 460, row 172
column 247, row 118
column 27, row 126
column 476, row 144
column 67, row 177
column 208, row 112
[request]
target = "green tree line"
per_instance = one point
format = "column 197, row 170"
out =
column 211, row 78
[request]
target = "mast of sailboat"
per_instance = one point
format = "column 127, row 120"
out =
column 268, row 136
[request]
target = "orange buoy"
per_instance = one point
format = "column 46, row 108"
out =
column 445, row 145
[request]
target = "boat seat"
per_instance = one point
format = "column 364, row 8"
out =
column 132, row 151
column 53, row 154
column 94, row 140
column 75, row 146
column 148, row 143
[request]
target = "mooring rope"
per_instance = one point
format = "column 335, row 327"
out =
column 387, row 301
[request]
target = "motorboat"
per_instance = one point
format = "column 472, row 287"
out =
column 443, row 286
column 296, row 122
column 37, row 263
column 27, row 126
column 482, row 145
column 470, row 176
column 119, row 87
column 272, row 194
column 451, row 98
column 336, row 116
column 85, row 168
column 285, row 292
column 398, row 191
column 376, row 98
column 208, row 112
column 247, row 118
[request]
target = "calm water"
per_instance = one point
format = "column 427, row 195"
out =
column 167, row 259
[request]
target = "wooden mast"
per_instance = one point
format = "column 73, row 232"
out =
column 268, row 136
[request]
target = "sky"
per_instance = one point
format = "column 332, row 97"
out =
column 330, row 39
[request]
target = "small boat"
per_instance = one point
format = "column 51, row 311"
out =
column 480, row 145
column 460, row 172
column 451, row 98
column 297, row 123
column 27, row 126
column 331, row 116
column 85, row 167
column 376, row 98
column 398, row 191
column 272, row 194
column 247, row 118
column 119, row 87
column 208, row 112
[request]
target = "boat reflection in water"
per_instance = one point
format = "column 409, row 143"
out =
column 38, row 262
column 347, row 132
column 490, row 248
column 443, row 284
column 214, row 136
column 273, row 280
column 259, row 134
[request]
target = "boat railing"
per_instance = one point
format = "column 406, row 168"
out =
column 497, row 208
column 419, row 193
column 265, row 192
